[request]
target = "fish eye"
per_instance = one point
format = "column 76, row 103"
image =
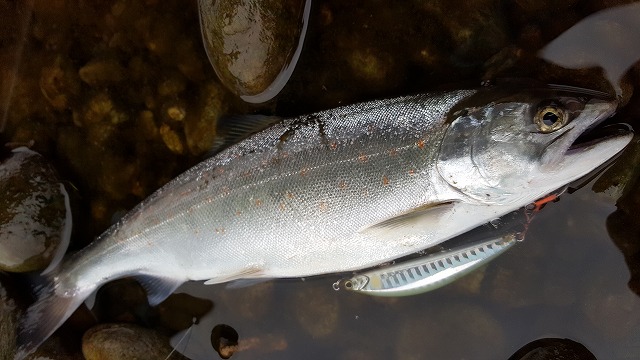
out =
column 550, row 118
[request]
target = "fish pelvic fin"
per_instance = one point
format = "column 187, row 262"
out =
column 52, row 307
column 414, row 220
column 158, row 288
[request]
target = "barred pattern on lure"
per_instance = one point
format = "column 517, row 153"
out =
column 429, row 272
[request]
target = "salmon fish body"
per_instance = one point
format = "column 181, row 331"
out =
column 341, row 190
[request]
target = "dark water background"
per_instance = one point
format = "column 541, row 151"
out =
column 570, row 278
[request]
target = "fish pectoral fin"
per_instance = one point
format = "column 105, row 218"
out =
column 249, row 273
column 158, row 288
column 411, row 221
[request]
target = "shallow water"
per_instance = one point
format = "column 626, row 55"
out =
column 567, row 279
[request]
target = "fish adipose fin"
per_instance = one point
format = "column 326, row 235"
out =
column 52, row 308
column 414, row 220
column 158, row 288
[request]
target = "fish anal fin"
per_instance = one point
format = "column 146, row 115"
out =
column 248, row 274
column 417, row 218
column 158, row 288
column 243, row 283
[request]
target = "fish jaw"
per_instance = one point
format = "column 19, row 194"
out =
column 568, row 158
column 579, row 161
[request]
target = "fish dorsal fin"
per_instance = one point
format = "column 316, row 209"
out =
column 414, row 220
column 232, row 129
column 158, row 288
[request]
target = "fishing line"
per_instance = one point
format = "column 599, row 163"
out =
column 185, row 335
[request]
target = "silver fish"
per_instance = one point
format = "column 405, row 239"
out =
column 340, row 190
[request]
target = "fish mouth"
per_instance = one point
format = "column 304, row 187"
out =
column 583, row 148
column 592, row 137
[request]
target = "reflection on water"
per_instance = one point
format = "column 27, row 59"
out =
column 607, row 39
column 566, row 280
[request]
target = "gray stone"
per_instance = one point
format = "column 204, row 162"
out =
column 33, row 213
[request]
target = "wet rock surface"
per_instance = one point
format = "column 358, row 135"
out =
column 553, row 349
column 252, row 44
column 125, row 341
column 33, row 213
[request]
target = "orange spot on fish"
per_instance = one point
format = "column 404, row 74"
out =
column 282, row 206
column 342, row 184
column 289, row 195
column 420, row 144
column 385, row 181
column 333, row 145
column 304, row 171
column 238, row 213
column 412, row 172
column 258, row 202
column 363, row 158
column 393, row 152
column 323, row 206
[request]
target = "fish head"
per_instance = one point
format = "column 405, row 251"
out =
column 503, row 148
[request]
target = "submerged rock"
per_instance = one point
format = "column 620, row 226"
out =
column 125, row 341
column 253, row 45
column 317, row 311
column 35, row 219
column 553, row 349
column 439, row 330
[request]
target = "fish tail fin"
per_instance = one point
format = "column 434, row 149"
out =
column 53, row 306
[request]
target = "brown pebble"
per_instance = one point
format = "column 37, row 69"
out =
column 125, row 341
column 171, row 139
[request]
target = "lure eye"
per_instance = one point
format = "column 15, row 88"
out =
column 550, row 118
column 348, row 285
